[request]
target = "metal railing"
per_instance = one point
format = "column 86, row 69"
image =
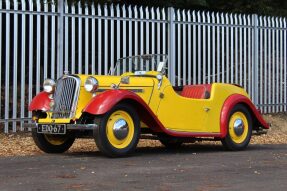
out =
column 40, row 40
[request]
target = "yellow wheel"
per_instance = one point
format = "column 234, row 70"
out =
column 118, row 131
column 53, row 143
column 239, row 129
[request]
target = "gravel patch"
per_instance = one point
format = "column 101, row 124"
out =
column 20, row 144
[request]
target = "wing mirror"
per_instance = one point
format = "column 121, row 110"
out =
column 159, row 78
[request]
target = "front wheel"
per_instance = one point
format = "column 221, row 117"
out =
column 239, row 129
column 118, row 132
column 53, row 143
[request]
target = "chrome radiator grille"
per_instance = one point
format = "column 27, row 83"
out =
column 66, row 97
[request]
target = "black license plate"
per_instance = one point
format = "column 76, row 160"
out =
column 51, row 128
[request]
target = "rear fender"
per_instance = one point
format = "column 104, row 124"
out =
column 229, row 103
column 40, row 102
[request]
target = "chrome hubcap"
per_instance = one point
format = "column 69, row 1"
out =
column 238, row 127
column 121, row 129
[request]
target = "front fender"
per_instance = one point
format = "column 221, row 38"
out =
column 229, row 103
column 40, row 102
column 102, row 103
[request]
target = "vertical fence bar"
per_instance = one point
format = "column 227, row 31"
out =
column 23, row 62
column 171, row 45
column 194, row 47
column 53, row 46
column 60, row 43
column 118, row 35
column 260, row 61
column 80, row 37
column 281, row 89
column 189, row 47
column 255, row 59
column 7, row 81
column 106, row 39
column 93, row 51
column 265, row 65
column 276, row 76
column 236, row 48
column 249, row 54
column 38, row 49
column 231, row 49
column 208, row 48
column 213, row 47
column 99, row 40
column 240, row 49
column 184, row 46
column 163, row 32
column 218, row 47
column 45, row 39
column 147, row 30
column 30, row 88
column 158, row 32
column 130, row 15
column 66, row 37
column 273, row 64
column 285, row 63
column 152, row 32
column 222, row 49
column 178, row 49
column 136, row 31
column 199, row 64
column 244, row 52
column 112, row 29
column 87, row 40
column 227, row 48
column 15, row 65
column 269, row 65
column 141, row 35
column 73, row 51
column 124, row 33
column 203, row 48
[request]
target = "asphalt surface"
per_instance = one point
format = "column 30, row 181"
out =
column 260, row 167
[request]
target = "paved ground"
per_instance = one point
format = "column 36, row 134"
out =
column 261, row 167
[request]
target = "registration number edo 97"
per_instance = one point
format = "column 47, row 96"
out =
column 51, row 128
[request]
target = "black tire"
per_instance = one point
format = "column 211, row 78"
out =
column 101, row 137
column 230, row 143
column 43, row 143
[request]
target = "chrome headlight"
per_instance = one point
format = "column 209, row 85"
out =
column 49, row 85
column 91, row 84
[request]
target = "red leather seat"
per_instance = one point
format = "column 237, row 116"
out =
column 197, row 91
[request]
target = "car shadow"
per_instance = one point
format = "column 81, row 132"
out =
column 184, row 149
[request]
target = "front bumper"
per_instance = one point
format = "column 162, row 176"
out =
column 68, row 126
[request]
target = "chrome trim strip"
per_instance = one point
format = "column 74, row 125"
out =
column 133, row 90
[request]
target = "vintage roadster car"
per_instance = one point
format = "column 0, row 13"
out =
column 138, row 101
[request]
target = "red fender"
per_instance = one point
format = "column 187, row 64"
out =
column 229, row 103
column 40, row 102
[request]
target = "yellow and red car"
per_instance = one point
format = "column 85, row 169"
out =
column 137, row 99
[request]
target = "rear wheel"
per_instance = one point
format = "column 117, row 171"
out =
column 53, row 143
column 239, row 129
column 118, row 132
